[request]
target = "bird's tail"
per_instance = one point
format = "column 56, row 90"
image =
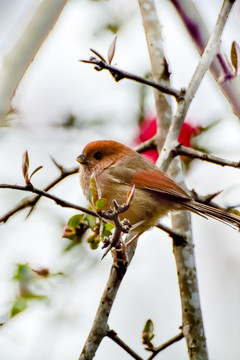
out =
column 216, row 213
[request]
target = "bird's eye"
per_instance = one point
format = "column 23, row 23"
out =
column 98, row 155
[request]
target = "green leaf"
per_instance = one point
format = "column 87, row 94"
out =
column 235, row 212
column 23, row 272
column 99, row 204
column 148, row 333
column 108, row 226
column 93, row 241
column 106, row 230
column 75, row 220
column 69, row 232
column 91, row 220
column 19, row 305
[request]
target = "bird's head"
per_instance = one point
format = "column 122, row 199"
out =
column 99, row 155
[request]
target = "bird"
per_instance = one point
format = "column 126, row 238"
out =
column 116, row 169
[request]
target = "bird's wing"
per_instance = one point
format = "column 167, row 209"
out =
column 153, row 179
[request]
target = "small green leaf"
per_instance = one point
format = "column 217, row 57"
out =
column 19, row 305
column 106, row 230
column 93, row 241
column 108, row 226
column 235, row 212
column 22, row 273
column 91, row 220
column 69, row 232
column 148, row 333
column 99, row 204
column 75, row 220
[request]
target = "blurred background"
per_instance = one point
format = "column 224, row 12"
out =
column 60, row 105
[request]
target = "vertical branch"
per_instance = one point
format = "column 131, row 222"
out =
column 192, row 322
column 16, row 61
column 100, row 325
column 184, row 255
column 159, row 67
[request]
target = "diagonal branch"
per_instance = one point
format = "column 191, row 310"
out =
column 208, row 55
column 165, row 345
column 15, row 62
column 113, row 335
column 220, row 67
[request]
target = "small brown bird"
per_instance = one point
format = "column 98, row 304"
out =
column 117, row 168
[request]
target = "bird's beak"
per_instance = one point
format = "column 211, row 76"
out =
column 82, row 159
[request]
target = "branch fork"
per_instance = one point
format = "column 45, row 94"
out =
column 120, row 227
column 101, row 64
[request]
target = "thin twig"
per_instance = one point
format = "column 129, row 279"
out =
column 149, row 144
column 196, row 154
column 189, row 152
column 61, row 202
column 113, row 335
column 178, row 239
column 119, row 74
column 162, row 347
column 33, row 200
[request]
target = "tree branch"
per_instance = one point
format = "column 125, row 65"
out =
column 147, row 145
column 195, row 154
column 100, row 327
column 61, row 202
column 119, row 74
column 189, row 152
column 184, row 253
column 119, row 227
column 159, row 68
column 178, row 238
column 162, row 347
column 220, row 67
column 207, row 57
column 113, row 335
column 33, row 200
column 18, row 58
